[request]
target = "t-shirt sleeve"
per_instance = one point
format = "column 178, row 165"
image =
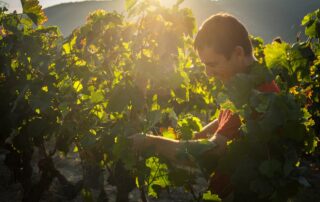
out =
column 271, row 87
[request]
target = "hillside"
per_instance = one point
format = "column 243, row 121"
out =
column 265, row 18
column 68, row 16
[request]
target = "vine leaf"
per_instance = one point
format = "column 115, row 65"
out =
column 34, row 11
column 276, row 54
column 208, row 196
column 270, row 167
column 158, row 175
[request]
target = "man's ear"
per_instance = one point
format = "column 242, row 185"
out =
column 239, row 52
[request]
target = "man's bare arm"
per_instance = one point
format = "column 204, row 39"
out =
column 208, row 130
column 170, row 149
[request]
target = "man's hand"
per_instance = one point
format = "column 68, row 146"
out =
column 229, row 124
column 226, row 125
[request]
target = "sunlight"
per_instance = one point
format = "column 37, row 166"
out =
column 167, row 3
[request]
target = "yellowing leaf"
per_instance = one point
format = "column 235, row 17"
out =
column 38, row 111
column 293, row 90
column 66, row 47
column 93, row 132
column 45, row 88
column 77, row 86
column 169, row 133
column 75, row 149
column 14, row 65
column 93, row 49
column 137, row 182
column 81, row 63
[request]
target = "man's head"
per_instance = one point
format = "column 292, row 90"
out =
column 224, row 46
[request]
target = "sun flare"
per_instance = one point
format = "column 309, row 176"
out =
column 167, row 3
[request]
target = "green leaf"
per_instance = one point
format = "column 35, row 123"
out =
column 307, row 19
column 34, row 11
column 261, row 102
column 41, row 101
column 188, row 125
column 88, row 141
column 294, row 131
column 122, row 96
column 198, row 149
column 179, row 176
column 153, row 118
column 276, row 54
column 119, row 99
column 310, row 18
column 313, row 29
column 37, row 127
column 239, row 89
column 121, row 150
column 270, row 168
column 208, row 196
column 136, row 97
column 262, row 187
column 97, row 96
column 158, row 175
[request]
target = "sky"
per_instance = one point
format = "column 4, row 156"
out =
column 16, row 5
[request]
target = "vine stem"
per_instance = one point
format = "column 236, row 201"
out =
column 81, row 157
column 143, row 194
column 155, row 174
column 193, row 192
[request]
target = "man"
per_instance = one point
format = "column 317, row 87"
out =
column 224, row 46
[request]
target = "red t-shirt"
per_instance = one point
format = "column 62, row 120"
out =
column 269, row 87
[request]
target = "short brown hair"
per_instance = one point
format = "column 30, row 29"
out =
column 223, row 32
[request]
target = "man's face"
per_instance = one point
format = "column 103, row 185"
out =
column 218, row 66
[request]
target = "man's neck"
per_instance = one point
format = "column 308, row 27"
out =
column 248, row 61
